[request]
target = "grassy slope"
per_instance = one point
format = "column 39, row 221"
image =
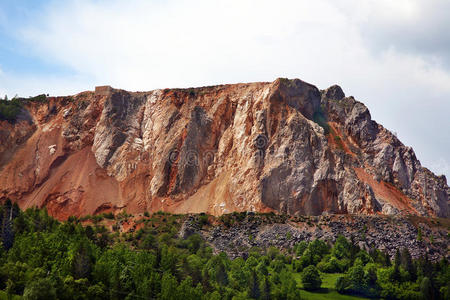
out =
column 327, row 291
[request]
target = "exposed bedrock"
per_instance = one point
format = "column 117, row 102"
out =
column 279, row 146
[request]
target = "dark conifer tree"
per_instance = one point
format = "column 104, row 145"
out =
column 407, row 264
column 397, row 262
column 254, row 291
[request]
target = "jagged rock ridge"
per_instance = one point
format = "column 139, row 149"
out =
column 283, row 146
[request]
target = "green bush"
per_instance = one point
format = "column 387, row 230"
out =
column 311, row 278
column 300, row 248
column 330, row 266
column 109, row 216
column 39, row 98
column 41, row 288
column 9, row 110
column 342, row 284
column 320, row 118
column 203, row 219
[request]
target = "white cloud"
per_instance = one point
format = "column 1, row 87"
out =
column 141, row 45
column 197, row 43
column 418, row 27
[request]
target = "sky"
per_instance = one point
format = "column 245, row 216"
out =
column 394, row 56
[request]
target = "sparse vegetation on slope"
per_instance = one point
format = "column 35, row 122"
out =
column 9, row 109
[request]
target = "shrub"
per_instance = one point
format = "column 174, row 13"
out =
column 288, row 235
column 330, row 266
column 425, row 288
column 203, row 219
column 272, row 252
column 300, row 248
column 318, row 247
column 342, row 284
column 10, row 109
column 109, row 216
column 364, row 256
column 40, row 289
column 370, row 274
column 356, row 275
column 311, row 278
column 320, row 118
column 277, row 265
column 39, row 98
column 341, row 248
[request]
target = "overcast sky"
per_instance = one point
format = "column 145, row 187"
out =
column 392, row 55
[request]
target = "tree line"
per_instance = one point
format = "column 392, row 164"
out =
column 43, row 258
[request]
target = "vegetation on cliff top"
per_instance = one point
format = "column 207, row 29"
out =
column 10, row 109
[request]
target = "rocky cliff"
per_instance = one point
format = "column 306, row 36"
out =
column 282, row 146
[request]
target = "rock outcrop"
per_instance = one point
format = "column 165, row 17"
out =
column 283, row 146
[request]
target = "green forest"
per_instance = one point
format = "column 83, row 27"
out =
column 43, row 258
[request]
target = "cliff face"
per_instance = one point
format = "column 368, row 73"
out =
column 283, row 146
